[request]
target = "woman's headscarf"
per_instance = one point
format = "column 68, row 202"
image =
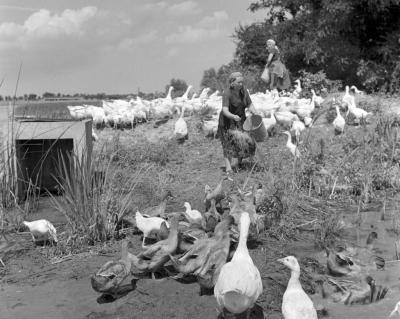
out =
column 271, row 41
column 234, row 76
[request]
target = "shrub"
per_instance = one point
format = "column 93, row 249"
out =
column 318, row 81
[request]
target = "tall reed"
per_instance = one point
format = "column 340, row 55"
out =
column 94, row 195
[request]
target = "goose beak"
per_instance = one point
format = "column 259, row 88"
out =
column 280, row 260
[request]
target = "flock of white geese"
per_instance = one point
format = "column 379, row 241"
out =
column 289, row 110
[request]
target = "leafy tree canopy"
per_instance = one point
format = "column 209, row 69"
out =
column 179, row 85
column 356, row 41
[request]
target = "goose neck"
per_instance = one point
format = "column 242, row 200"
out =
column 244, row 232
column 294, row 278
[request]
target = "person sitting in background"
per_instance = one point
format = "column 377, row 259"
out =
column 235, row 101
column 278, row 74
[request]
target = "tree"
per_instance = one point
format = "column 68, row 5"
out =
column 352, row 40
column 32, row 96
column 179, row 85
column 48, row 94
column 210, row 80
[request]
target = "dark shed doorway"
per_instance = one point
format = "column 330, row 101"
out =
column 38, row 163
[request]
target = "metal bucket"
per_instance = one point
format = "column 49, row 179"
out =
column 255, row 126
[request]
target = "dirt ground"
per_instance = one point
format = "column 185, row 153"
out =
column 33, row 287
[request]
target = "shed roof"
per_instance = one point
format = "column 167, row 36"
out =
column 49, row 110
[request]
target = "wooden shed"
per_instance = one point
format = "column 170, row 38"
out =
column 43, row 132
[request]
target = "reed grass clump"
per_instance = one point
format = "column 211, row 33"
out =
column 95, row 196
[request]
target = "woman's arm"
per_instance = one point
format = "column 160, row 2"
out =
column 270, row 56
column 225, row 111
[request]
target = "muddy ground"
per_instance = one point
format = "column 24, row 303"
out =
column 33, row 285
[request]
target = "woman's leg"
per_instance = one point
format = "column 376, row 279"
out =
column 228, row 167
column 272, row 84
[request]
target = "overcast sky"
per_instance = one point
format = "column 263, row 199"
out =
column 114, row 46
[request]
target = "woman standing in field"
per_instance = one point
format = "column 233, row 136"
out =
column 235, row 100
column 278, row 75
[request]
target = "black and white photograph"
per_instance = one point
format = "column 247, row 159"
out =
column 199, row 159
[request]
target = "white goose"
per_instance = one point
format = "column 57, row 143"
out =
column 239, row 283
column 358, row 113
column 181, row 129
column 184, row 98
column 285, row 118
column 204, row 94
column 292, row 147
column 298, row 89
column 41, row 230
column 338, row 122
column 215, row 94
column 348, row 99
column 318, row 100
column 270, row 122
column 356, row 91
column 296, row 304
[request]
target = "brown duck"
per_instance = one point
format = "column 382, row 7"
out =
column 159, row 210
column 112, row 273
column 217, row 194
column 156, row 255
column 211, row 217
column 207, row 256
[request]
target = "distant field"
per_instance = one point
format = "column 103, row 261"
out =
column 47, row 105
column 3, row 118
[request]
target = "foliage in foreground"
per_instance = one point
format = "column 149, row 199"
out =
column 94, row 197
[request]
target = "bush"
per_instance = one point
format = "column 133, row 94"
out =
column 318, row 81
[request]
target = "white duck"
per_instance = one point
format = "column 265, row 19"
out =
column 41, row 230
column 338, row 122
column 297, row 128
column 181, row 129
column 395, row 310
column 94, row 135
column 286, row 118
column 192, row 215
column 239, row 283
column 148, row 225
column 296, row 304
column 292, row 147
column 307, row 121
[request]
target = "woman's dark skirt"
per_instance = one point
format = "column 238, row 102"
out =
column 232, row 149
